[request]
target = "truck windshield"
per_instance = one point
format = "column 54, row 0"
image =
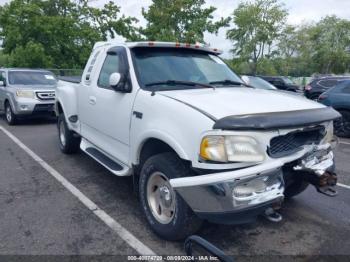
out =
column 31, row 78
column 166, row 65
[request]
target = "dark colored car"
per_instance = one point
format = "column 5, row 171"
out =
column 339, row 98
column 319, row 85
column 281, row 82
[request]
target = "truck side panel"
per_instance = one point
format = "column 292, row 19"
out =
column 66, row 97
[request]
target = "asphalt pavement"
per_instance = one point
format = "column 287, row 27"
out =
column 39, row 216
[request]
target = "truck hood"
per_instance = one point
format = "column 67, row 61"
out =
column 223, row 102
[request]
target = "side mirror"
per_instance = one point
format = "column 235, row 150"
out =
column 2, row 83
column 120, row 82
column 114, row 79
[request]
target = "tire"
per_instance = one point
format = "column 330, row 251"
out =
column 10, row 117
column 180, row 222
column 294, row 186
column 68, row 140
column 342, row 125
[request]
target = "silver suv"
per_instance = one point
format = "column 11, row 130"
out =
column 26, row 92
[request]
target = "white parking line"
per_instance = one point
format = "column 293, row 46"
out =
column 345, row 143
column 122, row 232
column 342, row 185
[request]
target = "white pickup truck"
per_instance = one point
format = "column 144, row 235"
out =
column 199, row 143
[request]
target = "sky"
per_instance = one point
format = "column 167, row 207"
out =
column 300, row 11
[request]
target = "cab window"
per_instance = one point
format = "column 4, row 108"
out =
column 2, row 76
column 110, row 65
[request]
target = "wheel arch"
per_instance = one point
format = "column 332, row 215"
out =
column 58, row 108
column 150, row 146
column 154, row 145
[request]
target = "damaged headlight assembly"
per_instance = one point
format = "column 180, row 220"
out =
column 231, row 149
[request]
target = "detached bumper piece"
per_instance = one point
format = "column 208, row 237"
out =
column 319, row 166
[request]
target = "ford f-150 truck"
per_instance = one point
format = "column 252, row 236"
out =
column 26, row 92
column 199, row 143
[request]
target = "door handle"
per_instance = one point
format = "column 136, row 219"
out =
column 92, row 100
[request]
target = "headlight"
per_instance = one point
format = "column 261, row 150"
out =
column 231, row 149
column 25, row 93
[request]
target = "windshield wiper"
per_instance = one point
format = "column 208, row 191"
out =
column 180, row 83
column 228, row 82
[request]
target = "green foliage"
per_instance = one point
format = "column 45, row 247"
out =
column 4, row 59
column 180, row 20
column 266, row 67
column 61, row 31
column 31, row 55
column 261, row 38
column 256, row 26
column 330, row 40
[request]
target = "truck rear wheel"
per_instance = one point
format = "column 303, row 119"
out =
column 68, row 140
column 11, row 118
column 166, row 212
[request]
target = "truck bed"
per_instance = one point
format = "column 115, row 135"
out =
column 71, row 79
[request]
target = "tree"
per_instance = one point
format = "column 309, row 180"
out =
column 257, row 26
column 331, row 44
column 30, row 54
column 62, row 31
column 287, row 46
column 180, row 20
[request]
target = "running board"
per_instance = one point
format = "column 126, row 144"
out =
column 113, row 166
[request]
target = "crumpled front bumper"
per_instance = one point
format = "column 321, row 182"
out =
column 211, row 196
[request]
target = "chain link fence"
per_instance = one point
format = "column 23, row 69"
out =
column 66, row 72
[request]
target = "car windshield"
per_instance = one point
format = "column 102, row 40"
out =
column 31, row 78
column 164, row 67
column 258, row 82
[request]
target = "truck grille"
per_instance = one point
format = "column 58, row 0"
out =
column 292, row 142
column 46, row 95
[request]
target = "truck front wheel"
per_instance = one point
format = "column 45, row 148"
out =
column 166, row 212
column 69, row 141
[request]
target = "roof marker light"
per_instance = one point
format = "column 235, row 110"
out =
column 177, row 44
column 151, row 43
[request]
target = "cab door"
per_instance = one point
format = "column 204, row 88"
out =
column 107, row 116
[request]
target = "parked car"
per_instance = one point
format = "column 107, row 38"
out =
column 26, row 92
column 282, row 82
column 319, row 85
column 199, row 144
column 257, row 82
column 339, row 98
